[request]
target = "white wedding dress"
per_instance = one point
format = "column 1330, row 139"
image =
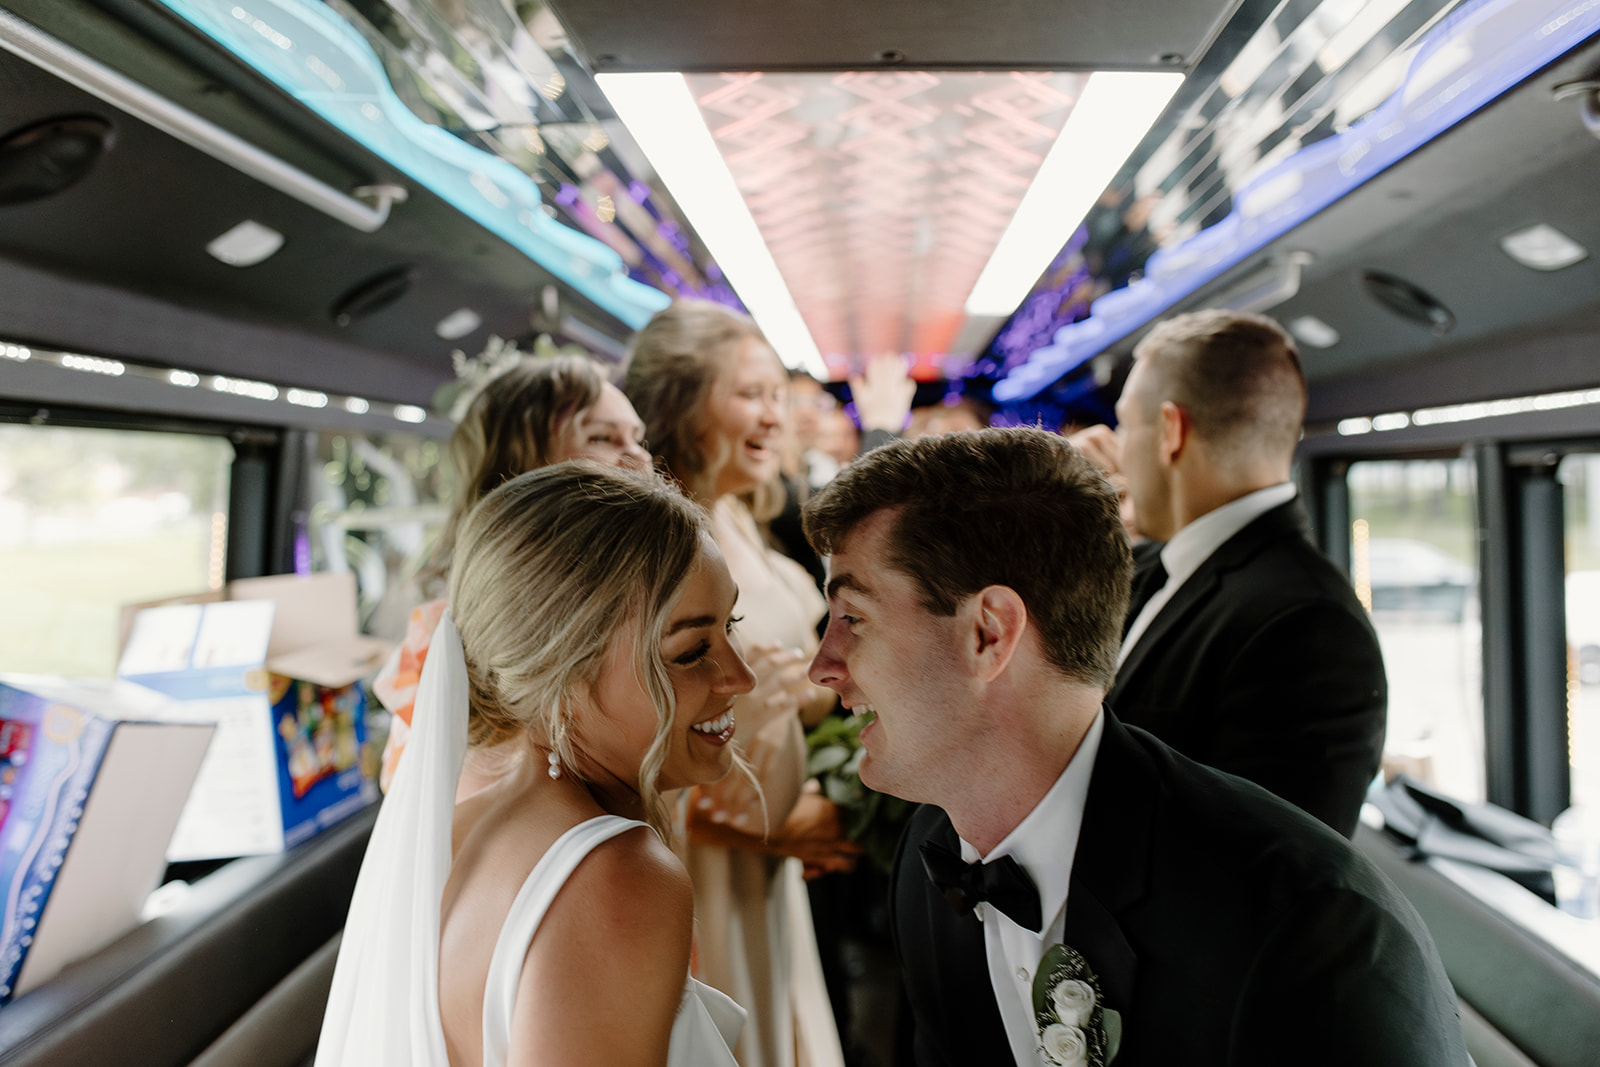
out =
column 383, row 1009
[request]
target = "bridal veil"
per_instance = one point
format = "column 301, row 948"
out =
column 384, row 1005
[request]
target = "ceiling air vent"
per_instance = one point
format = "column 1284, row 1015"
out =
column 1408, row 301
column 373, row 295
column 47, row 157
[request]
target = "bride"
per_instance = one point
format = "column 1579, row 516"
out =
column 545, row 920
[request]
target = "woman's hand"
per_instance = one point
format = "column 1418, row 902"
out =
column 814, row 835
column 781, row 687
column 883, row 393
column 1099, row 446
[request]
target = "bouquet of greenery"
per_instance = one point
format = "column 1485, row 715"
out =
column 872, row 820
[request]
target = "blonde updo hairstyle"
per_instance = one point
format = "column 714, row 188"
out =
column 550, row 568
column 508, row 429
column 673, row 365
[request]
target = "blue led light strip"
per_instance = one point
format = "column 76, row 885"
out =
column 321, row 61
column 1480, row 52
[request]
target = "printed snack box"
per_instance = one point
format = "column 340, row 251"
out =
column 276, row 666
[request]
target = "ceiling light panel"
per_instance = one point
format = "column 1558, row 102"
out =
column 1109, row 120
column 1312, row 331
column 458, row 324
column 878, row 197
column 881, row 194
column 246, row 244
column 662, row 116
column 1543, row 247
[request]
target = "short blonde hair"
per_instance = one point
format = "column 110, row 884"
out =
column 1237, row 374
column 550, row 568
column 673, row 365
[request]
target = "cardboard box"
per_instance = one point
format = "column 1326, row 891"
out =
column 92, row 781
column 276, row 665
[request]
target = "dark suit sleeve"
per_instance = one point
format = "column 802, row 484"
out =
column 1342, row 982
column 1302, row 708
column 872, row 439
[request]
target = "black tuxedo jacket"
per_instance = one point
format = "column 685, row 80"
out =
column 1227, row 927
column 1264, row 665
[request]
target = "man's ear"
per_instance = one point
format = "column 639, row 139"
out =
column 1176, row 426
column 999, row 619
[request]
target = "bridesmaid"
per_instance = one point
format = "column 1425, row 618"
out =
column 713, row 397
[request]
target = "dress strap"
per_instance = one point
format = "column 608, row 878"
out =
column 538, row 892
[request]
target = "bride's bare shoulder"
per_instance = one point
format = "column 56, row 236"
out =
column 631, row 886
column 618, row 933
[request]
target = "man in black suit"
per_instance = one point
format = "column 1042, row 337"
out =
column 1245, row 647
column 977, row 586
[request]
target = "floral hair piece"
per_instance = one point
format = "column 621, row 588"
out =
column 474, row 373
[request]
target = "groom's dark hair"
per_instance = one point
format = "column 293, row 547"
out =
column 1016, row 507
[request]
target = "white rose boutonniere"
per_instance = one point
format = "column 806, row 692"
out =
column 1074, row 1001
column 1076, row 1029
column 1065, row 1045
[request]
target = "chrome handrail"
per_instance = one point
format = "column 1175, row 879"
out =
column 367, row 209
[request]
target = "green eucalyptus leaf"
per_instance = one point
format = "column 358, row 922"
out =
column 838, row 791
column 1043, row 979
column 828, row 731
column 854, row 765
column 826, row 759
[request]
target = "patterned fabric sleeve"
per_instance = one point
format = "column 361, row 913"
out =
column 396, row 684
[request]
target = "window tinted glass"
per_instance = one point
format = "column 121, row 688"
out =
column 378, row 503
column 1414, row 566
column 1580, row 477
column 91, row 520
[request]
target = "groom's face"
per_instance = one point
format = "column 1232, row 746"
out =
column 884, row 651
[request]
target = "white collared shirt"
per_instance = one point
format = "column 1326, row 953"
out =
column 1043, row 844
column 1195, row 543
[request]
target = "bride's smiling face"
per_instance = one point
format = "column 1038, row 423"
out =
column 706, row 671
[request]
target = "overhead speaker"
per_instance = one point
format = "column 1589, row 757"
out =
column 47, row 157
column 373, row 295
column 1410, row 302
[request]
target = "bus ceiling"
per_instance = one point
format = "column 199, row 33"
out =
column 714, row 36
column 382, row 253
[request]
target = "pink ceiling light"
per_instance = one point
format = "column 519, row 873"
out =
column 882, row 195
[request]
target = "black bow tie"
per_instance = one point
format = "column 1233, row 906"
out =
column 1002, row 883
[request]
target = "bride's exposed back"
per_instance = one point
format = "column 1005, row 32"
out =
column 545, row 920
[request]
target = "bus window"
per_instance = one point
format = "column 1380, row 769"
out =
column 93, row 519
column 378, row 503
column 1579, row 475
column 1414, row 565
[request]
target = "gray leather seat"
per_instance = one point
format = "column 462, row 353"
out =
column 1522, row 1002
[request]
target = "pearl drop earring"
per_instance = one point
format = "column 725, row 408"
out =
column 555, row 764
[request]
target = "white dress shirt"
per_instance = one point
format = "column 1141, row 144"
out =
column 1043, row 844
column 1194, row 544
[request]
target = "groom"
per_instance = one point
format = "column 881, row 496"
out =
column 976, row 589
